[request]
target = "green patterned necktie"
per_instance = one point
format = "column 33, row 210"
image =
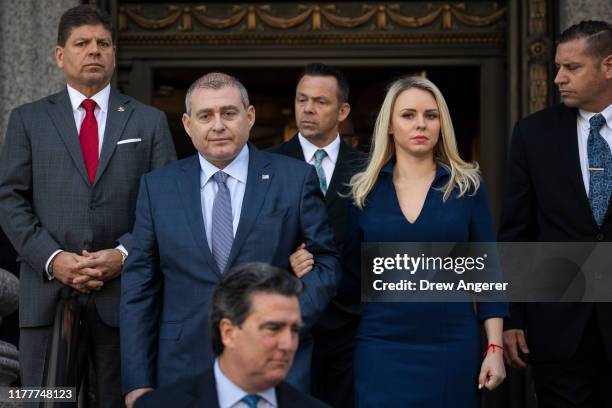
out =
column 319, row 156
column 251, row 400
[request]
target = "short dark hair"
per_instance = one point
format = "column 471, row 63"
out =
column 232, row 296
column 318, row 69
column 598, row 35
column 79, row 16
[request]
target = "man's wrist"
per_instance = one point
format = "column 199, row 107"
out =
column 49, row 266
column 123, row 254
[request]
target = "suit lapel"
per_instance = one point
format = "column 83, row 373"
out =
column 259, row 178
column 208, row 390
column 566, row 133
column 189, row 191
column 293, row 148
column 119, row 111
column 335, row 185
column 61, row 114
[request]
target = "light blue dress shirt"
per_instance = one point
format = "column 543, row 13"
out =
column 236, row 183
column 230, row 395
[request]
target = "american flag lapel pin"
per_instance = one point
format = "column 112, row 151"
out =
column 265, row 177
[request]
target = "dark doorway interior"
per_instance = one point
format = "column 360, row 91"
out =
column 271, row 91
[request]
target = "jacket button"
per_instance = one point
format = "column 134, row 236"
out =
column 600, row 236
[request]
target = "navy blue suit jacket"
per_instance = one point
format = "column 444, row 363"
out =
column 169, row 277
column 201, row 391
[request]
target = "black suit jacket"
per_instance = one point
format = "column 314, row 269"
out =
column 201, row 392
column 545, row 200
column 349, row 162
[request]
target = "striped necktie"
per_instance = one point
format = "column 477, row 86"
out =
column 222, row 232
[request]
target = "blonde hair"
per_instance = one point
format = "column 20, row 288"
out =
column 463, row 176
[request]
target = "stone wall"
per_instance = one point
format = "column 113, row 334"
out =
column 28, row 32
column 574, row 11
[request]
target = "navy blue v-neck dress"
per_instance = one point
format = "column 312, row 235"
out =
column 422, row 354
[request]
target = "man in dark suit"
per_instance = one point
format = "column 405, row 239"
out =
column 69, row 176
column 321, row 103
column 227, row 205
column 558, row 189
column 254, row 319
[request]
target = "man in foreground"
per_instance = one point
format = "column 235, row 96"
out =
column 254, row 321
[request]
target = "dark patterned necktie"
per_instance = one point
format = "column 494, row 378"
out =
column 222, row 232
column 600, row 169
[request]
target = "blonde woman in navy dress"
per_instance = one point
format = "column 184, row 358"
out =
column 416, row 188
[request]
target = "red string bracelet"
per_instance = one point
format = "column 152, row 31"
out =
column 492, row 347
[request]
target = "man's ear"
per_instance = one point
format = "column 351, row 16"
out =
column 59, row 56
column 228, row 331
column 344, row 111
column 186, row 123
column 607, row 66
column 251, row 115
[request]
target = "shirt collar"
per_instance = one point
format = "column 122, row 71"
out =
column 101, row 98
column 237, row 169
column 310, row 149
column 230, row 394
column 607, row 113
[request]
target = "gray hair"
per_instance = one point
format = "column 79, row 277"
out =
column 232, row 296
column 216, row 80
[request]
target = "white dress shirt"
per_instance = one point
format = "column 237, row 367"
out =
column 583, row 136
column 329, row 162
column 230, row 395
column 100, row 112
column 237, row 171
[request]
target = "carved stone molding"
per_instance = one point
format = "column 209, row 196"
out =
column 538, row 52
column 495, row 39
column 175, row 23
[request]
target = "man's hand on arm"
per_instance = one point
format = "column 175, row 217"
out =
column 301, row 261
column 132, row 396
column 514, row 340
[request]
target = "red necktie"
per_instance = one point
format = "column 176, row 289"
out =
column 88, row 136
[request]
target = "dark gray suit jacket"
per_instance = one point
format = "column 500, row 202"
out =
column 47, row 202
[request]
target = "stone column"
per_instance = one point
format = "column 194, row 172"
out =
column 574, row 11
column 9, row 301
column 28, row 33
